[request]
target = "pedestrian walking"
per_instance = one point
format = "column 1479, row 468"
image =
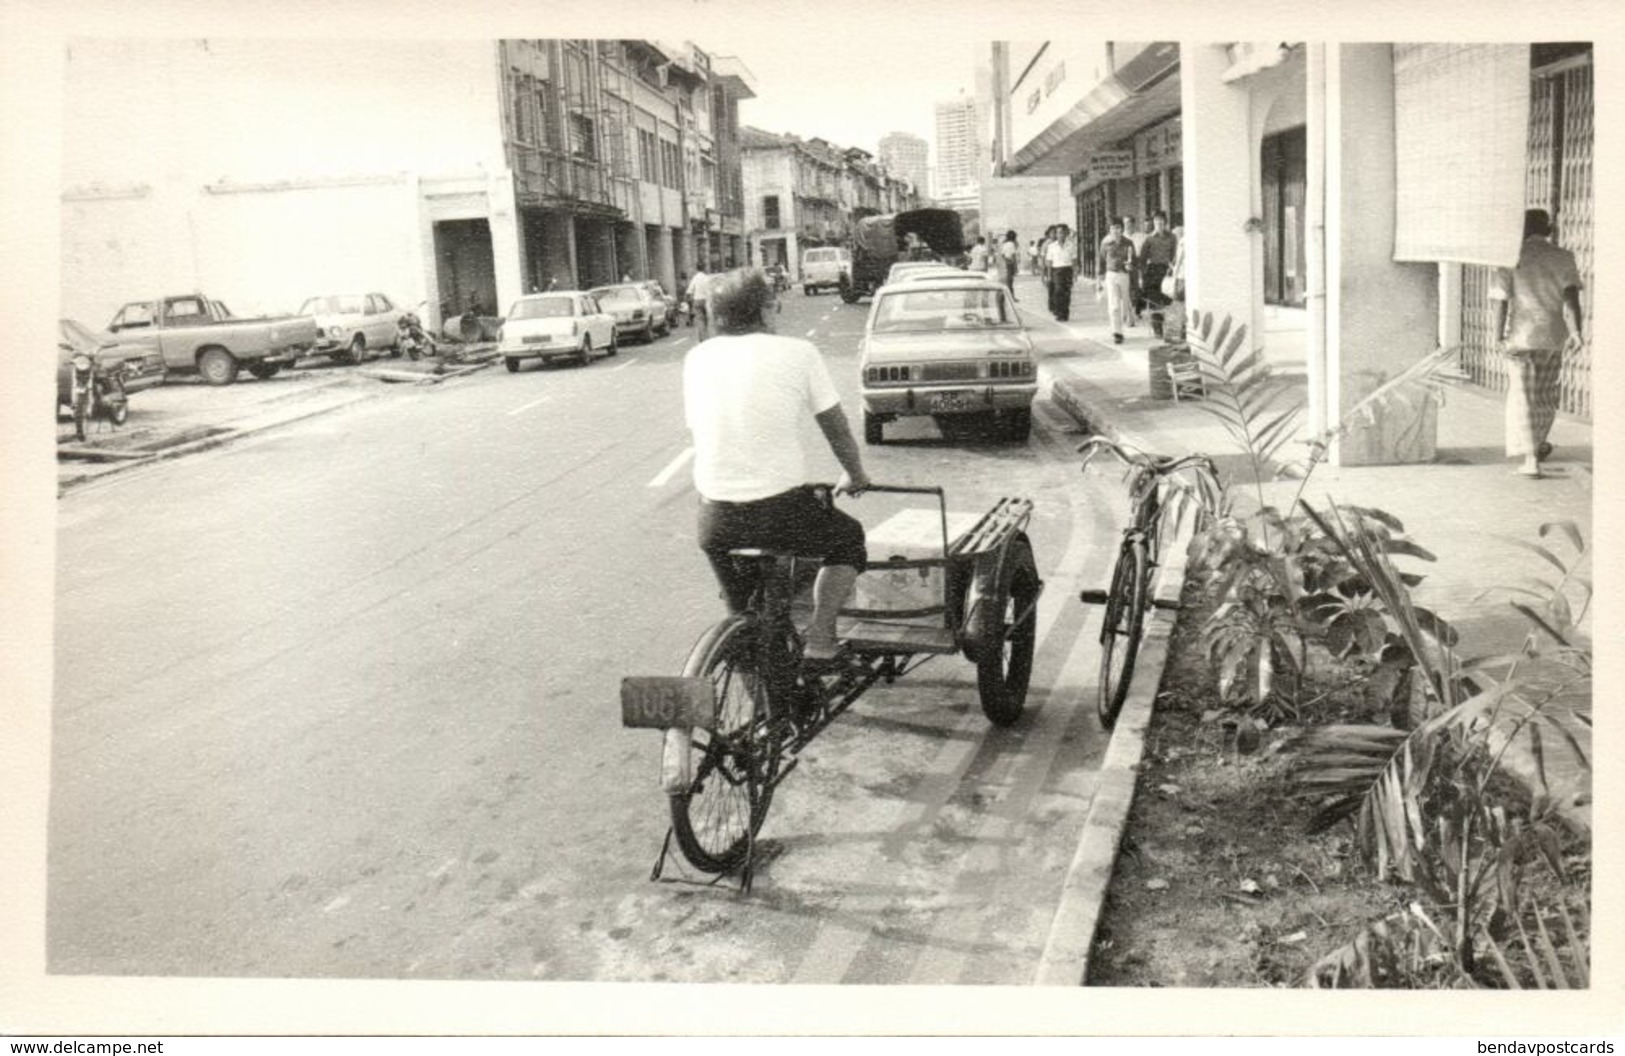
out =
column 1032, row 256
column 1114, row 262
column 1156, row 255
column 1537, row 318
column 1062, row 258
column 1136, row 283
column 1042, row 271
column 1009, row 261
column 979, row 255
column 699, row 295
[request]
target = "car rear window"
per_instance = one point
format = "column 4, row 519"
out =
column 820, row 256
column 619, row 295
column 964, row 309
column 332, row 306
column 542, row 308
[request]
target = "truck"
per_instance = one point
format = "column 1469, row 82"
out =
column 877, row 244
column 196, row 334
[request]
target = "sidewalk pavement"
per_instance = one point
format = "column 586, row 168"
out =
column 1467, row 507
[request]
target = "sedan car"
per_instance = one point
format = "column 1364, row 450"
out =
column 349, row 325
column 134, row 356
column 636, row 312
column 673, row 306
column 908, row 267
column 947, row 347
column 556, row 325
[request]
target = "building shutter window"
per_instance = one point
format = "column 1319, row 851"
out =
column 1461, row 126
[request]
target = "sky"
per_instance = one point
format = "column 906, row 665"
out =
column 854, row 91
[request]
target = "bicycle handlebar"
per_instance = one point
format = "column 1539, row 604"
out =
column 1128, row 454
column 894, row 489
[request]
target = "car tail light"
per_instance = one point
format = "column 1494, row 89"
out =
column 885, row 374
column 1011, row 368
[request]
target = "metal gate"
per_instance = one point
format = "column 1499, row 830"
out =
column 1558, row 179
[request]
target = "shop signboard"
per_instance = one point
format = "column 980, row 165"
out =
column 1111, row 165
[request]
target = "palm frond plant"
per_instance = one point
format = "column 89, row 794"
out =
column 1422, row 799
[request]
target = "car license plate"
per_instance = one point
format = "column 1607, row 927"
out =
column 536, row 340
column 664, row 701
column 950, row 401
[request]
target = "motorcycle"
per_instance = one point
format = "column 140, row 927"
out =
column 411, row 338
column 95, row 392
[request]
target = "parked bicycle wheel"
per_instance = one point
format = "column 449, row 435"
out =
column 736, row 764
column 1002, row 674
column 1120, row 630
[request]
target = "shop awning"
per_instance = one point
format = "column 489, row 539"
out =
column 1140, row 92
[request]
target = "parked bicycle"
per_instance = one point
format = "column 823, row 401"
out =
column 1153, row 484
column 744, row 708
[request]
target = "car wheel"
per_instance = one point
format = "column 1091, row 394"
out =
column 118, row 411
column 585, row 355
column 806, row 291
column 648, row 334
column 614, row 344
column 356, row 352
column 874, row 430
column 511, row 363
column 1019, row 426
column 263, row 370
column 217, row 366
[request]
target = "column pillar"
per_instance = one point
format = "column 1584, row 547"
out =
column 1381, row 316
column 1220, row 158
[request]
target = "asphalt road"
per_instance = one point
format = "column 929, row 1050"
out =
column 341, row 700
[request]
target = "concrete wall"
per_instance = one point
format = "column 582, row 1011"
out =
column 265, row 171
column 1381, row 316
column 1026, row 205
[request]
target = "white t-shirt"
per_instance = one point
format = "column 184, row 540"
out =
column 743, row 397
column 1061, row 254
column 699, row 287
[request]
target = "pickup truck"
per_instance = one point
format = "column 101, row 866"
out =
column 197, row 334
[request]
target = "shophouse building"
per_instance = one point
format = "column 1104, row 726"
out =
column 1350, row 198
column 801, row 193
column 265, row 171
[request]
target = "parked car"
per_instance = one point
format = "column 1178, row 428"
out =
column 350, row 325
column 136, row 359
column 636, row 312
column 557, row 325
column 673, row 305
column 947, row 347
column 196, row 334
column 823, row 267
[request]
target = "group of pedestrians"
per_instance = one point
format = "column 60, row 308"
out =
column 1131, row 267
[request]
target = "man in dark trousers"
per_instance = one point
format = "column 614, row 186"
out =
column 1062, row 256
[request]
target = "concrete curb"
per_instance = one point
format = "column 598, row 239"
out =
column 1065, row 960
column 204, row 444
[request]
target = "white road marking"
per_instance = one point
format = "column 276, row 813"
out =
column 533, row 403
column 682, row 340
column 671, row 470
column 813, row 331
column 623, row 366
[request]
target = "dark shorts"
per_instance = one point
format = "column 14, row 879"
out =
column 796, row 521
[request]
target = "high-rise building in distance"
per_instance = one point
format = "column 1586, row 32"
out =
column 958, row 147
column 907, row 155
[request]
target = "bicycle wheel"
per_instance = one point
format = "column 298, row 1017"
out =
column 1120, row 630
column 1002, row 675
column 735, row 765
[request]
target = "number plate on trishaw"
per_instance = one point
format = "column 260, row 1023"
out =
column 951, row 401
column 664, row 701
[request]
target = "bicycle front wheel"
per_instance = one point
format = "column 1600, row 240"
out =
column 1120, row 630
column 735, row 765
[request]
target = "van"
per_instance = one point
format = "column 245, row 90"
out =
column 823, row 267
